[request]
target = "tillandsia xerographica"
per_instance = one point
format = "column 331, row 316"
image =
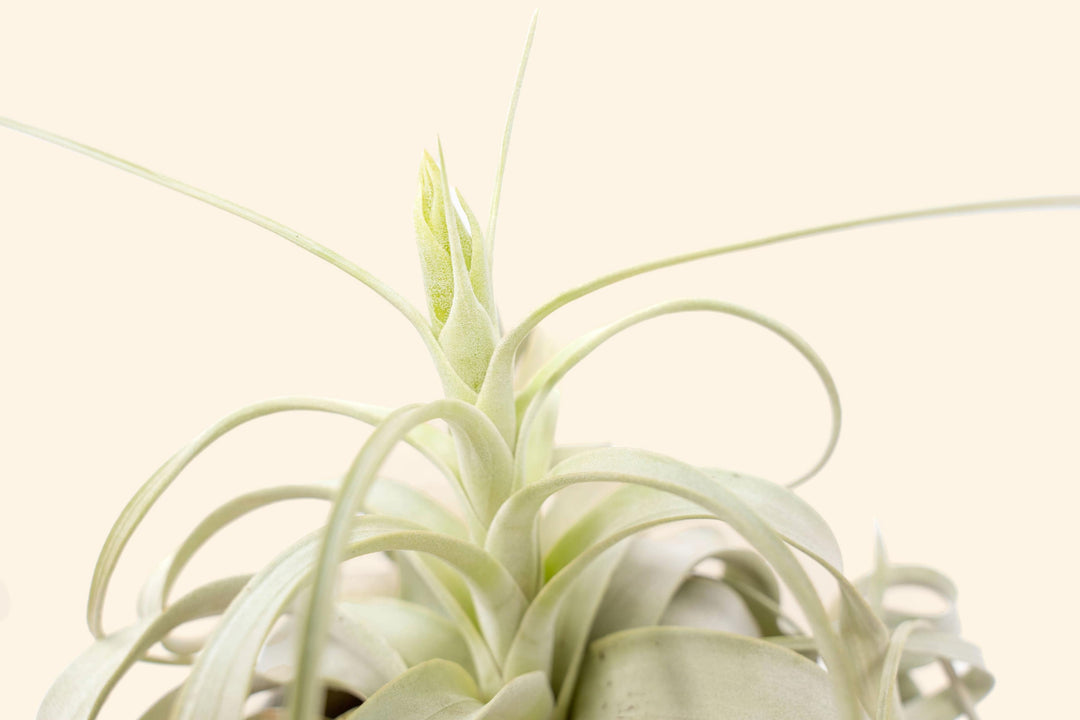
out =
column 540, row 594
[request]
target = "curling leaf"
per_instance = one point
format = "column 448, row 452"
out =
column 139, row 505
column 531, row 399
column 80, row 691
column 220, row 676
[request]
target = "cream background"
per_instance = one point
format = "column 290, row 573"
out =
column 132, row 317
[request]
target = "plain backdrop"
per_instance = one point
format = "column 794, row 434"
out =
column 132, row 317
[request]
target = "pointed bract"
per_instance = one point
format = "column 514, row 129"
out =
column 456, row 272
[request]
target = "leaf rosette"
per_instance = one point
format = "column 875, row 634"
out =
column 544, row 592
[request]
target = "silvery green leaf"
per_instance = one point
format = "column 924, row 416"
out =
column 575, row 618
column 495, row 405
column 219, row 679
column 890, row 575
column 162, row 709
column 387, row 497
column 153, row 598
column 648, row 578
column 650, row 470
column 888, row 704
column 534, row 644
column 504, row 150
column 514, row 535
column 80, row 691
column 427, row 582
column 434, row 689
column 566, row 507
column 147, row 495
column 356, row 658
column 962, row 692
column 912, row 640
column 702, row 602
column 536, row 452
column 415, row 632
column 441, row 690
column 488, row 458
column 671, row 672
column 787, row 513
column 627, row 505
column 529, row 401
column 451, row 382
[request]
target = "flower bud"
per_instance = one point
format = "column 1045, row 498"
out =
column 457, row 279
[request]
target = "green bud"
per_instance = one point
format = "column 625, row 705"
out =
column 457, row 278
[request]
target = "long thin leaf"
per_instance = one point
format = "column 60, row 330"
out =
column 535, row 641
column 387, row 497
column 655, row 471
column 514, row 538
column 222, row 673
column 627, row 505
column 504, row 150
column 531, row 398
column 451, row 382
column 962, row 692
column 426, row 580
column 894, row 575
column 575, row 617
column 424, row 439
column 155, row 592
column 417, row 633
column 357, row 659
column 81, row 690
column 888, row 706
column 487, row 473
column 498, row 404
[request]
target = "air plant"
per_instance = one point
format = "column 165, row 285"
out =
column 541, row 594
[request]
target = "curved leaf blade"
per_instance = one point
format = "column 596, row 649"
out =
column 82, row 688
column 147, row 495
column 670, row 672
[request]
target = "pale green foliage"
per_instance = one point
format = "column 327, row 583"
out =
column 541, row 595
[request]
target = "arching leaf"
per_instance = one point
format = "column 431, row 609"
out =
column 425, row 440
column 669, row 672
column 80, row 691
